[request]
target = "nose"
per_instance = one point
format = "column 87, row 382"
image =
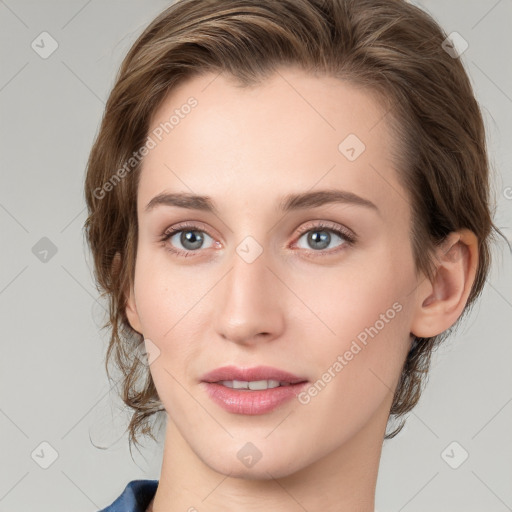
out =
column 250, row 302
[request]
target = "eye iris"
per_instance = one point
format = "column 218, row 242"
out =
column 324, row 238
column 191, row 237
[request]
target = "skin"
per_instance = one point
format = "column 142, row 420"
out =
column 246, row 148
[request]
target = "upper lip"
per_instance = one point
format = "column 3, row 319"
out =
column 251, row 374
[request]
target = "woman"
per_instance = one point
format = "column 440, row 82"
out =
column 289, row 211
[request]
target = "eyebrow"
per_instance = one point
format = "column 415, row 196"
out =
column 290, row 202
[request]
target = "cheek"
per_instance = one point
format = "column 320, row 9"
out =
column 169, row 304
column 358, row 365
column 363, row 312
column 163, row 297
column 166, row 306
column 353, row 296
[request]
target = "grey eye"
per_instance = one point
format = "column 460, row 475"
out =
column 319, row 239
column 190, row 239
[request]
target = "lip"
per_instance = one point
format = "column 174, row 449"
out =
column 249, row 374
column 251, row 402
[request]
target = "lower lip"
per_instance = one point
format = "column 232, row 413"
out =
column 252, row 402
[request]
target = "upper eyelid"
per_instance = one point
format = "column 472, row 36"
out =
column 310, row 225
column 191, row 225
column 322, row 224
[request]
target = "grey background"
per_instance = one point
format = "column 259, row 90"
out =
column 53, row 387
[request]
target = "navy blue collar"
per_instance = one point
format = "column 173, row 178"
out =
column 135, row 498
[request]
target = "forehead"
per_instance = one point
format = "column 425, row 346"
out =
column 292, row 132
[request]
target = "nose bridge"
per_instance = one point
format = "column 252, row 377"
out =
column 248, row 304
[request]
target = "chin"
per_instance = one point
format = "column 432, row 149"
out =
column 263, row 469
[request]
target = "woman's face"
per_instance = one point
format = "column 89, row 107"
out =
column 249, row 283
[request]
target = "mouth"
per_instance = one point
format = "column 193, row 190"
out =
column 252, row 391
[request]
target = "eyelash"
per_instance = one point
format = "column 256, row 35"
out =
column 349, row 237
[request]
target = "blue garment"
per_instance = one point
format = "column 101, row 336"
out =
column 135, row 498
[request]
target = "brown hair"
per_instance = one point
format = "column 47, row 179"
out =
column 390, row 47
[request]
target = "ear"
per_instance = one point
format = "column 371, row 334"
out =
column 131, row 307
column 440, row 303
column 131, row 312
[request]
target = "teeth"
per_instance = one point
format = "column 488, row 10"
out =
column 254, row 384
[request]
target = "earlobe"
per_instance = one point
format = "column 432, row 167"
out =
column 131, row 308
column 441, row 302
column 131, row 312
